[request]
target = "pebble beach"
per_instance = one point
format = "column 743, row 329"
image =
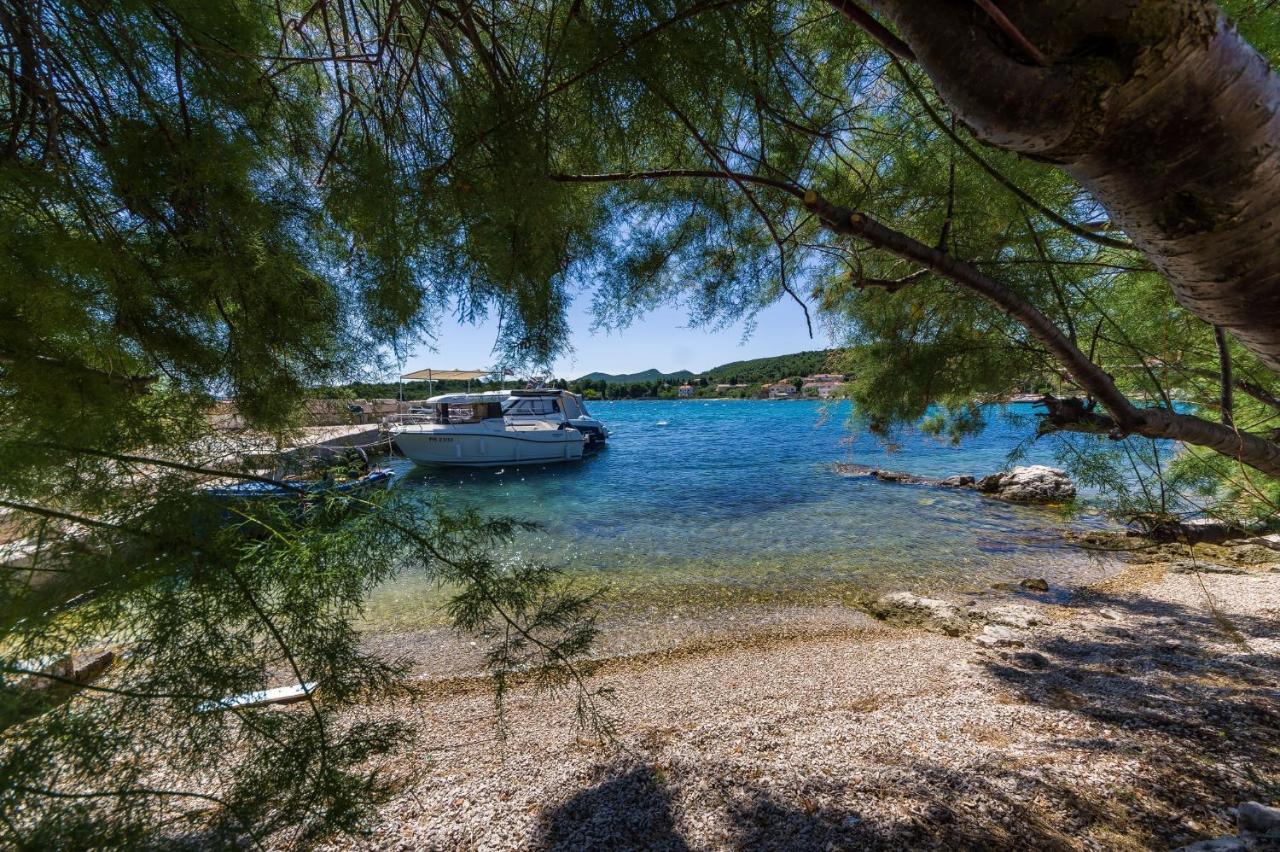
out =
column 1137, row 712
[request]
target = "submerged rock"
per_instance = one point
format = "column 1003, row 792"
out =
column 1196, row 531
column 998, row 636
column 1033, row 484
column 1272, row 541
column 929, row 613
column 1015, row 615
column 1258, row 819
column 853, row 469
column 1186, row 566
column 1034, row 584
column 87, row 668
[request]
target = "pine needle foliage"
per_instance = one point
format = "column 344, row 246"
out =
column 205, row 199
column 205, row 601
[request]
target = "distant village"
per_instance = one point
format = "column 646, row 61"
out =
column 798, row 375
column 815, row 386
column 820, row 385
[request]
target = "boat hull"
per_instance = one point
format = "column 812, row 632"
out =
column 490, row 449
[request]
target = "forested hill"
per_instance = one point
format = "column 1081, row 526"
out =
column 753, row 371
column 771, row 369
column 651, row 375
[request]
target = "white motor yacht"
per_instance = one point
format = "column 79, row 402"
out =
column 493, row 429
column 555, row 406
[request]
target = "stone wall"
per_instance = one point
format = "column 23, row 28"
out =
column 323, row 412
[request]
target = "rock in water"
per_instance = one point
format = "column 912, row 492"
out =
column 1184, row 566
column 997, row 636
column 957, row 481
column 1015, row 615
column 1271, row 541
column 1034, row 584
column 1258, row 819
column 1033, row 484
column 930, row 613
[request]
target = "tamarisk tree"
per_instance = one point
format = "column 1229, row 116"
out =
column 242, row 199
column 164, row 244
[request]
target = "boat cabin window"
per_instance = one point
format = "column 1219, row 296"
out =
column 535, row 406
column 466, row 412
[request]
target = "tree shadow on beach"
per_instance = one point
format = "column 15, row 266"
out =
column 1182, row 691
column 629, row 810
column 632, row 810
column 1155, row 719
column 1191, row 673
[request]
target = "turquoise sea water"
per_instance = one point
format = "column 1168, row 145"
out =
column 706, row 501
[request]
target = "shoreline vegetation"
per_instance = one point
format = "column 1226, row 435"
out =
column 810, row 375
column 1132, row 712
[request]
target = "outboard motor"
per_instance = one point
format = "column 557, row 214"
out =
column 593, row 430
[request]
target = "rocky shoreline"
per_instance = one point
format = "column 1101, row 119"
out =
column 1138, row 712
column 1029, row 484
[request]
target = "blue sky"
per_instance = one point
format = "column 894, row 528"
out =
column 661, row 339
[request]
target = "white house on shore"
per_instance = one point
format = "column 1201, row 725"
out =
column 822, row 384
column 780, row 390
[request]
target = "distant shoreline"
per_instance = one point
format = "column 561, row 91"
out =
column 779, row 399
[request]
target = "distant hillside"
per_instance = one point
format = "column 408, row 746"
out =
column 754, row 371
column 759, row 370
column 636, row 378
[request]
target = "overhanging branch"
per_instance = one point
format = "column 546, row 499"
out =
column 1124, row 418
column 863, row 19
column 657, row 174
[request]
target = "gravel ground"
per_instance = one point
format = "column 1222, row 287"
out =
column 1136, row 718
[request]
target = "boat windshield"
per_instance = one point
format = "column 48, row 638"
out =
column 466, row 412
column 531, row 406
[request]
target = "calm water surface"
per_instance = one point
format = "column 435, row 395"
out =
column 698, row 503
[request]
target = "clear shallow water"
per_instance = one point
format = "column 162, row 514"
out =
column 734, row 501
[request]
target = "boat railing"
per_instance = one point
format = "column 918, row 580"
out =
column 390, row 421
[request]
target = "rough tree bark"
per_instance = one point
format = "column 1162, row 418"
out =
column 1158, row 107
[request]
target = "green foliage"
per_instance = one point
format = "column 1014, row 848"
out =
column 217, row 199
column 214, row 598
column 179, row 223
column 761, row 370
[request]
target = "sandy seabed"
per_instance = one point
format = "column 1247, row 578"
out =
column 1137, row 717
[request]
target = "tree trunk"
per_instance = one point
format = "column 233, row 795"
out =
column 1158, row 107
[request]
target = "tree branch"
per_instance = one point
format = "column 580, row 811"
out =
column 995, row 173
column 135, row 384
column 1224, row 367
column 1011, row 30
column 719, row 160
column 878, row 31
column 656, row 174
column 892, row 285
column 1252, row 450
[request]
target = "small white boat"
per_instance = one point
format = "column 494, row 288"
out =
column 540, row 426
